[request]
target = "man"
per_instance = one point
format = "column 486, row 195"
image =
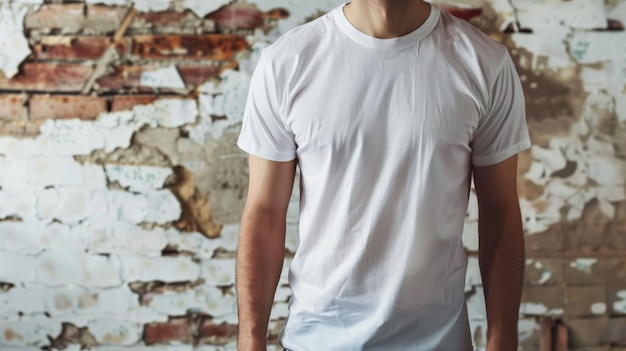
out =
column 388, row 107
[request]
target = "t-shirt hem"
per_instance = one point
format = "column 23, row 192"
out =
column 277, row 156
column 502, row 155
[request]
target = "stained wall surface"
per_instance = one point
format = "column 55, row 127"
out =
column 121, row 186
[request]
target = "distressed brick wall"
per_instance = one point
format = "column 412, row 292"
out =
column 121, row 186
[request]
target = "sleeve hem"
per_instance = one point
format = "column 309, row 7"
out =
column 500, row 156
column 277, row 156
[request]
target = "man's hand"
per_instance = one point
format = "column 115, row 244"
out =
column 501, row 251
column 261, row 248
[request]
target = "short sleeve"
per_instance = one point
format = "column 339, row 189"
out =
column 263, row 132
column 502, row 132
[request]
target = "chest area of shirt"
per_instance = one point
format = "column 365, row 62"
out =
column 382, row 101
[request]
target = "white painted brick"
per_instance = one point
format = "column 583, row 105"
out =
column 170, row 113
column 28, row 333
column 219, row 272
column 62, row 237
column 279, row 310
column 470, row 236
column 117, row 332
column 107, row 237
column 17, row 201
column 44, row 171
column 292, row 239
column 69, row 137
column 138, row 178
column 478, row 328
column 13, row 171
column 165, row 77
column 117, row 205
column 59, row 268
column 476, row 305
column 282, row 294
column 166, row 269
column 21, row 237
column 108, row 302
column 15, row 147
column 222, row 307
column 16, row 268
column 21, row 300
column 527, row 327
column 293, row 212
column 63, row 301
column 66, row 204
column 200, row 245
column 472, row 276
column 284, row 273
column 94, row 176
column 162, row 206
column 175, row 304
column 47, row 202
column 230, row 237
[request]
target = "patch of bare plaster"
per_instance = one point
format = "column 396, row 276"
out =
column 73, row 335
column 196, row 210
column 578, row 137
column 13, row 44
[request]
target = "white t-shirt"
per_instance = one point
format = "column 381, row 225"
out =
column 385, row 132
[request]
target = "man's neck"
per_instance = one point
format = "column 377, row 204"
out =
column 387, row 18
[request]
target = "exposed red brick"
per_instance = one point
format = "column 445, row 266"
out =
column 129, row 77
column 127, row 102
column 196, row 75
column 176, row 330
column 104, row 19
column 239, row 15
column 462, row 13
column 170, row 23
column 276, row 14
column 66, row 106
column 212, row 46
column 38, row 76
column 615, row 25
column 210, row 332
column 79, row 48
column 68, row 17
column 12, row 107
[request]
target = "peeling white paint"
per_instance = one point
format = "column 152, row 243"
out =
column 619, row 306
column 203, row 7
column 526, row 328
column 13, row 45
column 166, row 269
column 167, row 77
column 138, row 178
column 546, row 274
column 579, row 14
column 598, row 308
column 584, row 264
column 115, row 331
column 152, row 5
column 532, row 308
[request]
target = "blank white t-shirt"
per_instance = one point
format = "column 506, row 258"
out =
column 385, row 132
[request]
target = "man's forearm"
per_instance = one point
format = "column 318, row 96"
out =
column 501, row 258
column 259, row 261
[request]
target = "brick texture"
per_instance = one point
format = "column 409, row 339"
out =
column 49, row 77
column 125, row 219
column 13, row 107
column 66, row 106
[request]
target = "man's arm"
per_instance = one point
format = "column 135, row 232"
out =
column 261, row 247
column 501, row 250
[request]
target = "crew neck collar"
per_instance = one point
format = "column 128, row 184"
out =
column 385, row 44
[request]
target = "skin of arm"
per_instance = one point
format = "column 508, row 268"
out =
column 501, row 251
column 261, row 248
